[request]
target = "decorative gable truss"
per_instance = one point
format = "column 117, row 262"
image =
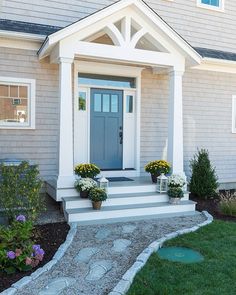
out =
column 127, row 31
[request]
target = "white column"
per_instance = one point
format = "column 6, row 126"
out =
column 175, row 123
column 66, row 161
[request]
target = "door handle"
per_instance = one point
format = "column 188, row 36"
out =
column 121, row 137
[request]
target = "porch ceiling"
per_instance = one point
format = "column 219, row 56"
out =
column 126, row 23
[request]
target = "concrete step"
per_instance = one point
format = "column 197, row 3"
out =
column 122, row 188
column 108, row 213
column 120, row 199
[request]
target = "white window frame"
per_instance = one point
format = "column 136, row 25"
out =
column 234, row 114
column 30, row 83
column 220, row 8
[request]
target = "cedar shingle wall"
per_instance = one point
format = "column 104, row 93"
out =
column 201, row 27
column 39, row 145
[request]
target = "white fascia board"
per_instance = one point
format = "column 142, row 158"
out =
column 106, row 12
column 22, row 36
column 184, row 45
column 217, row 65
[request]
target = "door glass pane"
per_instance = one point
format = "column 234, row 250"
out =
column 97, row 102
column 114, row 103
column 82, row 101
column 106, row 103
column 129, row 103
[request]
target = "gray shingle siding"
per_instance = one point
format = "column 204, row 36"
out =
column 40, row 146
column 200, row 27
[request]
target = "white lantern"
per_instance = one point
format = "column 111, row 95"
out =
column 103, row 183
column 162, row 183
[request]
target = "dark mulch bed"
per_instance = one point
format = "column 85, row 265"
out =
column 212, row 206
column 50, row 237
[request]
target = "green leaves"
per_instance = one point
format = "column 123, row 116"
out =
column 19, row 190
column 203, row 182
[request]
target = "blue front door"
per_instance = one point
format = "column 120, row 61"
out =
column 106, row 134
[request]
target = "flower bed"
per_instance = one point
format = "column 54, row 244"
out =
column 49, row 237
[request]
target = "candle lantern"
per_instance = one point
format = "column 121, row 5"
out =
column 162, row 183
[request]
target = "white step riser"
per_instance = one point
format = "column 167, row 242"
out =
column 98, row 215
column 71, row 192
column 78, row 204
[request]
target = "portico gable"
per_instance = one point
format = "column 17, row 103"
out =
column 126, row 33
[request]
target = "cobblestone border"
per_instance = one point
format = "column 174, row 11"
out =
column 58, row 255
column 124, row 284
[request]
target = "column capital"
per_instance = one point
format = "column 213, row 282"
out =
column 67, row 60
column 173, row 72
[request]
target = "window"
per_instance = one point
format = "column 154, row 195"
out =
column 129, row 104
column 109, row 81
column 211, row 4
column 82, row 101
column 17, row 103
column 234, row 114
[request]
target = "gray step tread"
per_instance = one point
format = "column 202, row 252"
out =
column 123, row 207
column 117, row 196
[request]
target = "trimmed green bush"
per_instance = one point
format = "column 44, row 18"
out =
column 203, row 183
column 19, row 190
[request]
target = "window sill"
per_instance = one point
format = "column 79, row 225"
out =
column 18, row 127
column 210, row 7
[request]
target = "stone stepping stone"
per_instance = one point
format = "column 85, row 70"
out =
column 102, row 234
column 56, row 286
column 128, row 229
column 86, row 254
column 120, row 245
column 98, row 269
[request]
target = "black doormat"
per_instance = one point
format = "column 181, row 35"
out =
column 116, row 179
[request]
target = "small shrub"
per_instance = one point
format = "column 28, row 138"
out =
column 175, row 192
column 158, row 167
column 20, row 190
column 87, row 170
column 203, row 182
column 227, row 204
column 97, row 195
column 85, row 184
column 17, row 249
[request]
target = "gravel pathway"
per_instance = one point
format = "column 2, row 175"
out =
column 100, row 255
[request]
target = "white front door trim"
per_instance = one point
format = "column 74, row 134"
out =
column 82, row 118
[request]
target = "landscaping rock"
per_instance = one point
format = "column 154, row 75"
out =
column 98, row 269
column 120, row 245
column 103, row 234
column 56, row 286
column 85, row 254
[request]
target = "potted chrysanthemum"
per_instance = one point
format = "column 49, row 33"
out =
column 156, row 168
column 84, row 185
column 97, row 196
column 87, row 170
column 175, row 192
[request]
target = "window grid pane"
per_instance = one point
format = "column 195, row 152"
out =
column 82, row 101
column 13, row 104
column 211, row 2
column 129, row 103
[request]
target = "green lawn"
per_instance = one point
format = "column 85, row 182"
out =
column 215, row 276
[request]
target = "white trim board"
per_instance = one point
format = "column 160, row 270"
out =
column 217, row 65
column 82, row 118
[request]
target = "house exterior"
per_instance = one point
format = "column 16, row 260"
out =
column 118, row 84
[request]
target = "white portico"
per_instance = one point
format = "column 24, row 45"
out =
column 118, row 41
